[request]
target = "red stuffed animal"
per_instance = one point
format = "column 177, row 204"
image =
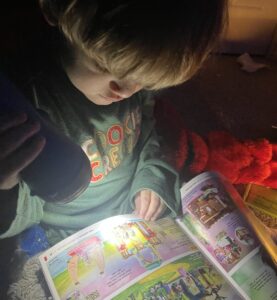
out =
column 249, row 161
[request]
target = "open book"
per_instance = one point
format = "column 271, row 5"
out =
column 209, row 253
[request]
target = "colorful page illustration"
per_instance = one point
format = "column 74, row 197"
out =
column 106, row 257
column 215, row 224
column 189, row 277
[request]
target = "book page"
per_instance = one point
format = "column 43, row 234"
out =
column 189, row 277
column 125, row 257
column 102, row 259
column 215, row 224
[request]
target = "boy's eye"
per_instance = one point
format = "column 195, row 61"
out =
column 93, row 66
column 148, row 87
column 97, row 68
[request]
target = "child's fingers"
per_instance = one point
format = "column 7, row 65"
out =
column 159, row 212
column 145, row 198
column 148, row 205
column 14, row 137
column 137, row 204
column 153, row 206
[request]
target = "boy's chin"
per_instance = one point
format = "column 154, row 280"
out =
column 101, row 100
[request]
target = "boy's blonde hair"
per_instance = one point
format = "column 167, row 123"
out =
column 155, row 43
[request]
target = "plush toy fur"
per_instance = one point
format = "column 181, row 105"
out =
column 249, row 161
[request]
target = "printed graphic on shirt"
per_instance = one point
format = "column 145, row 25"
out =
column 107, row 149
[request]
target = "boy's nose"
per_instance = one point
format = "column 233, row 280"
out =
column 124, row 90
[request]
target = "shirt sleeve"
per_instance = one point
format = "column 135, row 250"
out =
column 153, row 172
column 29, row 211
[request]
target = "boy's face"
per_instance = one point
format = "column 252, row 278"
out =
column 100, row 88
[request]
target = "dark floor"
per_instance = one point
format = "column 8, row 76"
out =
column 225, row 97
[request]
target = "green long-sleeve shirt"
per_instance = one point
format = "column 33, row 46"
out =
column 122, row 146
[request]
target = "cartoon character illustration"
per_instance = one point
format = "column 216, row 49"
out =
column 209, row 206
column 75, row 295
column 136, row 239
column 178, row 291
column 191, row 286
column 220, row 254
column 89, row 251
column 244, row 236
column 227, row 251
column 160, row 291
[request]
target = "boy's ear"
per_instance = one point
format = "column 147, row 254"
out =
column 49, row 11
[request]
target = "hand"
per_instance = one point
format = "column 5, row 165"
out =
column 19, row 146
column 148, row 205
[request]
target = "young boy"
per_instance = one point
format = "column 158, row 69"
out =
column 96, row 92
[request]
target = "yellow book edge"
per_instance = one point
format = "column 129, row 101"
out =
column 258, row 227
